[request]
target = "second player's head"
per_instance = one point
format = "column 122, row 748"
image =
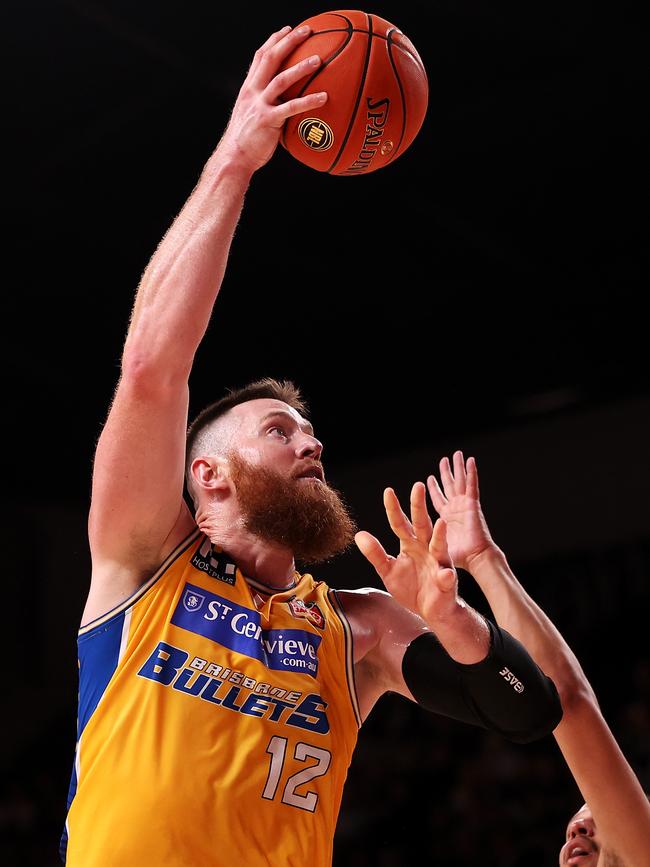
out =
column 583, row 846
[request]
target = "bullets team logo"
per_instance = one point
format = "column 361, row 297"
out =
column 316, row 134
column 307, row 610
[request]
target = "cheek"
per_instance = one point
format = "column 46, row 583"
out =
column 267, row 454
column 252, row 454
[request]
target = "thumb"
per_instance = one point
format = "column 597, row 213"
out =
column 438, row 545
column 446, row 578
column 373, row 551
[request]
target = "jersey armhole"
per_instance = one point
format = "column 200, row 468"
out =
column 349, row 653
column 140, row 592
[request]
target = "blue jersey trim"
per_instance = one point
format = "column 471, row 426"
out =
column 99, row 653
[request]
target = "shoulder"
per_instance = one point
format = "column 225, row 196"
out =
column 368, row 605
column 382, row 629
column 374, row 606
column 377, row 619
column 363, row 599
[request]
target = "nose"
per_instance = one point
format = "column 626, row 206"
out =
column 581, row 828
column 310, row 447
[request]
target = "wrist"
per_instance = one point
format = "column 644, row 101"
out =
column 489, row 558
column 462, row 632
column 228, row 161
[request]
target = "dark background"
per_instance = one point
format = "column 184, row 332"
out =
column 482, row 292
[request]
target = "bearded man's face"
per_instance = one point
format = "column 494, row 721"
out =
column 299, row 511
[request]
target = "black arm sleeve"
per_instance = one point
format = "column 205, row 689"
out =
column 505, row 692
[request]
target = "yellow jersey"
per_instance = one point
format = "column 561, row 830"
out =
column 217, row 720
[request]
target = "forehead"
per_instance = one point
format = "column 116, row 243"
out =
column 251, row 413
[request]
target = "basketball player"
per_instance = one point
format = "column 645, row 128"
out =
column 221, row 691
column 613, row 828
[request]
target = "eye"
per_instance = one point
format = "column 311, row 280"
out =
column 278, row 430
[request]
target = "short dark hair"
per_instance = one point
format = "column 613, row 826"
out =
column 283, row 390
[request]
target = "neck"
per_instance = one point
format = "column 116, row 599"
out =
column 256, row 558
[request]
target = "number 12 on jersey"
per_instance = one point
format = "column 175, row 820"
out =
column 277, row 748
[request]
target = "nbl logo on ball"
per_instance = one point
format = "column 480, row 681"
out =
column 315, row 133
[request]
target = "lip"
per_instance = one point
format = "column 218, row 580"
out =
column 576, row 860
column 579, row 852
column 312, row 472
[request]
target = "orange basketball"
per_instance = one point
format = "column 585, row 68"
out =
column 377, row 94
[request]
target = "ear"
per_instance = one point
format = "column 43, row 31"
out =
column 211, row 475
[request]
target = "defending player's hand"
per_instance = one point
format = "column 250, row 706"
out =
column 460, row 508
column 422, row 576
column 257, row 118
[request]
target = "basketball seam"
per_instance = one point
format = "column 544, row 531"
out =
column 389, row 46
column 403, row 48
column 414, row 57
column 353, row 115
column 329, row 59
column 349, row 30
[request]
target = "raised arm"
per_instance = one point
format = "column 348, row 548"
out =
column 137, row 511
column 600, row 769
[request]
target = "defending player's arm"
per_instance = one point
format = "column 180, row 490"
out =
column 606, row 780
column 137, row 512
column 430, row 646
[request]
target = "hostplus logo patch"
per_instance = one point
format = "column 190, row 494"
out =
column 215, row 565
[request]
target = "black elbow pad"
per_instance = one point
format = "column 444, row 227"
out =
column 506, row 692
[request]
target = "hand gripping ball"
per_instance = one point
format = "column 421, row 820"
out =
column 377, row 94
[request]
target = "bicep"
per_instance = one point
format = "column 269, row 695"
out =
column 393, row 628
column 138, row 474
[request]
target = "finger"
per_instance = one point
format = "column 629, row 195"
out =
column 446, row 577
column 447, row 478
column 270, row 58
column 399, row 523
column 446, row 580
column 296, row 106
column 437, row 497
column 374, row 552
column 270, row 42
column 460, row 479
column 283, row 80
column 420, row 519
column 438, row 546
column 276, row 37
column 472, row 478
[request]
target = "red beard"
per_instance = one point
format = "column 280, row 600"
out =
column 304, row 515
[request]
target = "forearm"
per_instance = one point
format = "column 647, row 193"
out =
column 505, row 692
column 179, row 287
column 587, row 744
column 607, row 782
column 463, row 633
column 518, row 614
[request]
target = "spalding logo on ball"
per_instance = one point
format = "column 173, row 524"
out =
column 377, row 94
